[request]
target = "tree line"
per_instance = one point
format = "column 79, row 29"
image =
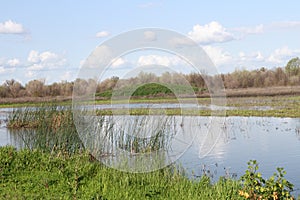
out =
column 280, row 76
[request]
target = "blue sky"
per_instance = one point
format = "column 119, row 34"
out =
column 50, row 39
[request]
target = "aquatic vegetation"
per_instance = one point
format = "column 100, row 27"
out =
column 49, row 128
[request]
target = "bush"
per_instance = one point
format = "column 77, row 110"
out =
column 254, row 186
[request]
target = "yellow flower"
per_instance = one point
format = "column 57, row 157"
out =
column 244, row 194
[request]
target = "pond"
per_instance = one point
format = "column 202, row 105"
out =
column 273, row 142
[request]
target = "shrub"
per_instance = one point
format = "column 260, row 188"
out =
column 254, row 186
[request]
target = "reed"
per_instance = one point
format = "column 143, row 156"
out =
column 51, row 128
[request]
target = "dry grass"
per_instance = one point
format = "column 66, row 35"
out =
column 254, row 92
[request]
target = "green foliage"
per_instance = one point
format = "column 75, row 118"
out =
column 293, row 67
column 150, row 89
column 254, row 186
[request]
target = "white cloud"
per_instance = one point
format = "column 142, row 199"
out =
column 159, row 60
column 210, row 33
column 33, row 56
column 102, row 34
column 149, row 36
column 254, row 56
column 48, row 56
column 118, row 62
column 217, row 55
column 11, row 27
column 281, row 55
column 13, row 62
column 45, row 59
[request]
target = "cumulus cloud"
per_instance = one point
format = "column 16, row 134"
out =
column 218, row 55
column 11, row 27
column 13, row 62
column 102, row 34
column 118, row 62
column 159, row 60
column 45, row 59
column 33, row 56
column 213, row 32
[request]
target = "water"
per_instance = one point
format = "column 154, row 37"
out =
column 273, row 142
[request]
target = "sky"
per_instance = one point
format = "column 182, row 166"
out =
column 50, row 40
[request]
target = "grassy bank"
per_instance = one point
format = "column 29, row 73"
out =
column 33, row 174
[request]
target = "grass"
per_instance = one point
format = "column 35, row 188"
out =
column 33, row 174
column 277, row 106
column 52, row 128
column 29, row 174
column 150, row 90
column 49, row 128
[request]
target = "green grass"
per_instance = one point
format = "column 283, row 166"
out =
column 29, row 174
column 150, row 89
column 33, row 174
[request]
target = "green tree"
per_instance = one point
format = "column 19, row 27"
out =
column 293, row 67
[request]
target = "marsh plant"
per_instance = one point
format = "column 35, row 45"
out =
column 49, row 128
column 52, row 128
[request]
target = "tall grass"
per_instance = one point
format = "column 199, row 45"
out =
column 51, row 128
column 36, row 175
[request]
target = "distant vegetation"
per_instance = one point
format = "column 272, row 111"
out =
column 150, row 89
column 280, row 76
